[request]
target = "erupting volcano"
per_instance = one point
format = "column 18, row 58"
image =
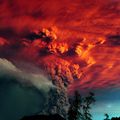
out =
column 74, row 44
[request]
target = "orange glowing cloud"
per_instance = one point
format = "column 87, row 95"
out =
column 75, row 43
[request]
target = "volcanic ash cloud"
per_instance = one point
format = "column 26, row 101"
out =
column 53, row 93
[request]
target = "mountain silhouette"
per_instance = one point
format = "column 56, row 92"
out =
column 115, row 118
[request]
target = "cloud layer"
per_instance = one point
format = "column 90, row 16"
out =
column 85, row 48
column 48, row 95
column 21, row 93
column 36, row 80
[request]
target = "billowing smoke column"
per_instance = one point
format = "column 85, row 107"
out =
column 61, row 76
column 65, row 63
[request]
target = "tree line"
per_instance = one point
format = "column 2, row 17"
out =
column 80, row 107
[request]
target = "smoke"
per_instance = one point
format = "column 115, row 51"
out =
column 36, row 80
column 113, row 40
column 68, row 64
column 54, row 95
column 22, row 93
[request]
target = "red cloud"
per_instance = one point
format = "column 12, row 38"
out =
column 82, row 53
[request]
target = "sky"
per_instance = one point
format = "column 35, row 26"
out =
column 107, row 101
column 63, row 44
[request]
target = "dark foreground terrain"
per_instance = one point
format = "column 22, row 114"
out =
column 115, row 118
column 52, row 117
column 43, row 117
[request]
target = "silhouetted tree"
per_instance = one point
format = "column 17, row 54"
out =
column 80, row 107
column 106, row 116
column 75, row 105
column 88, row 101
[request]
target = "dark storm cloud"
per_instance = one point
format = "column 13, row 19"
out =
column 37, row 84
column 113, row 40
column 36, row 80
column 21, row 93
column 7, row 33
column 10, row 47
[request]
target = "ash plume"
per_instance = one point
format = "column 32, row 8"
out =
column 54, row 92
column 38, row 81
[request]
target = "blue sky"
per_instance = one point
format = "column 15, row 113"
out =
column 107, row 101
